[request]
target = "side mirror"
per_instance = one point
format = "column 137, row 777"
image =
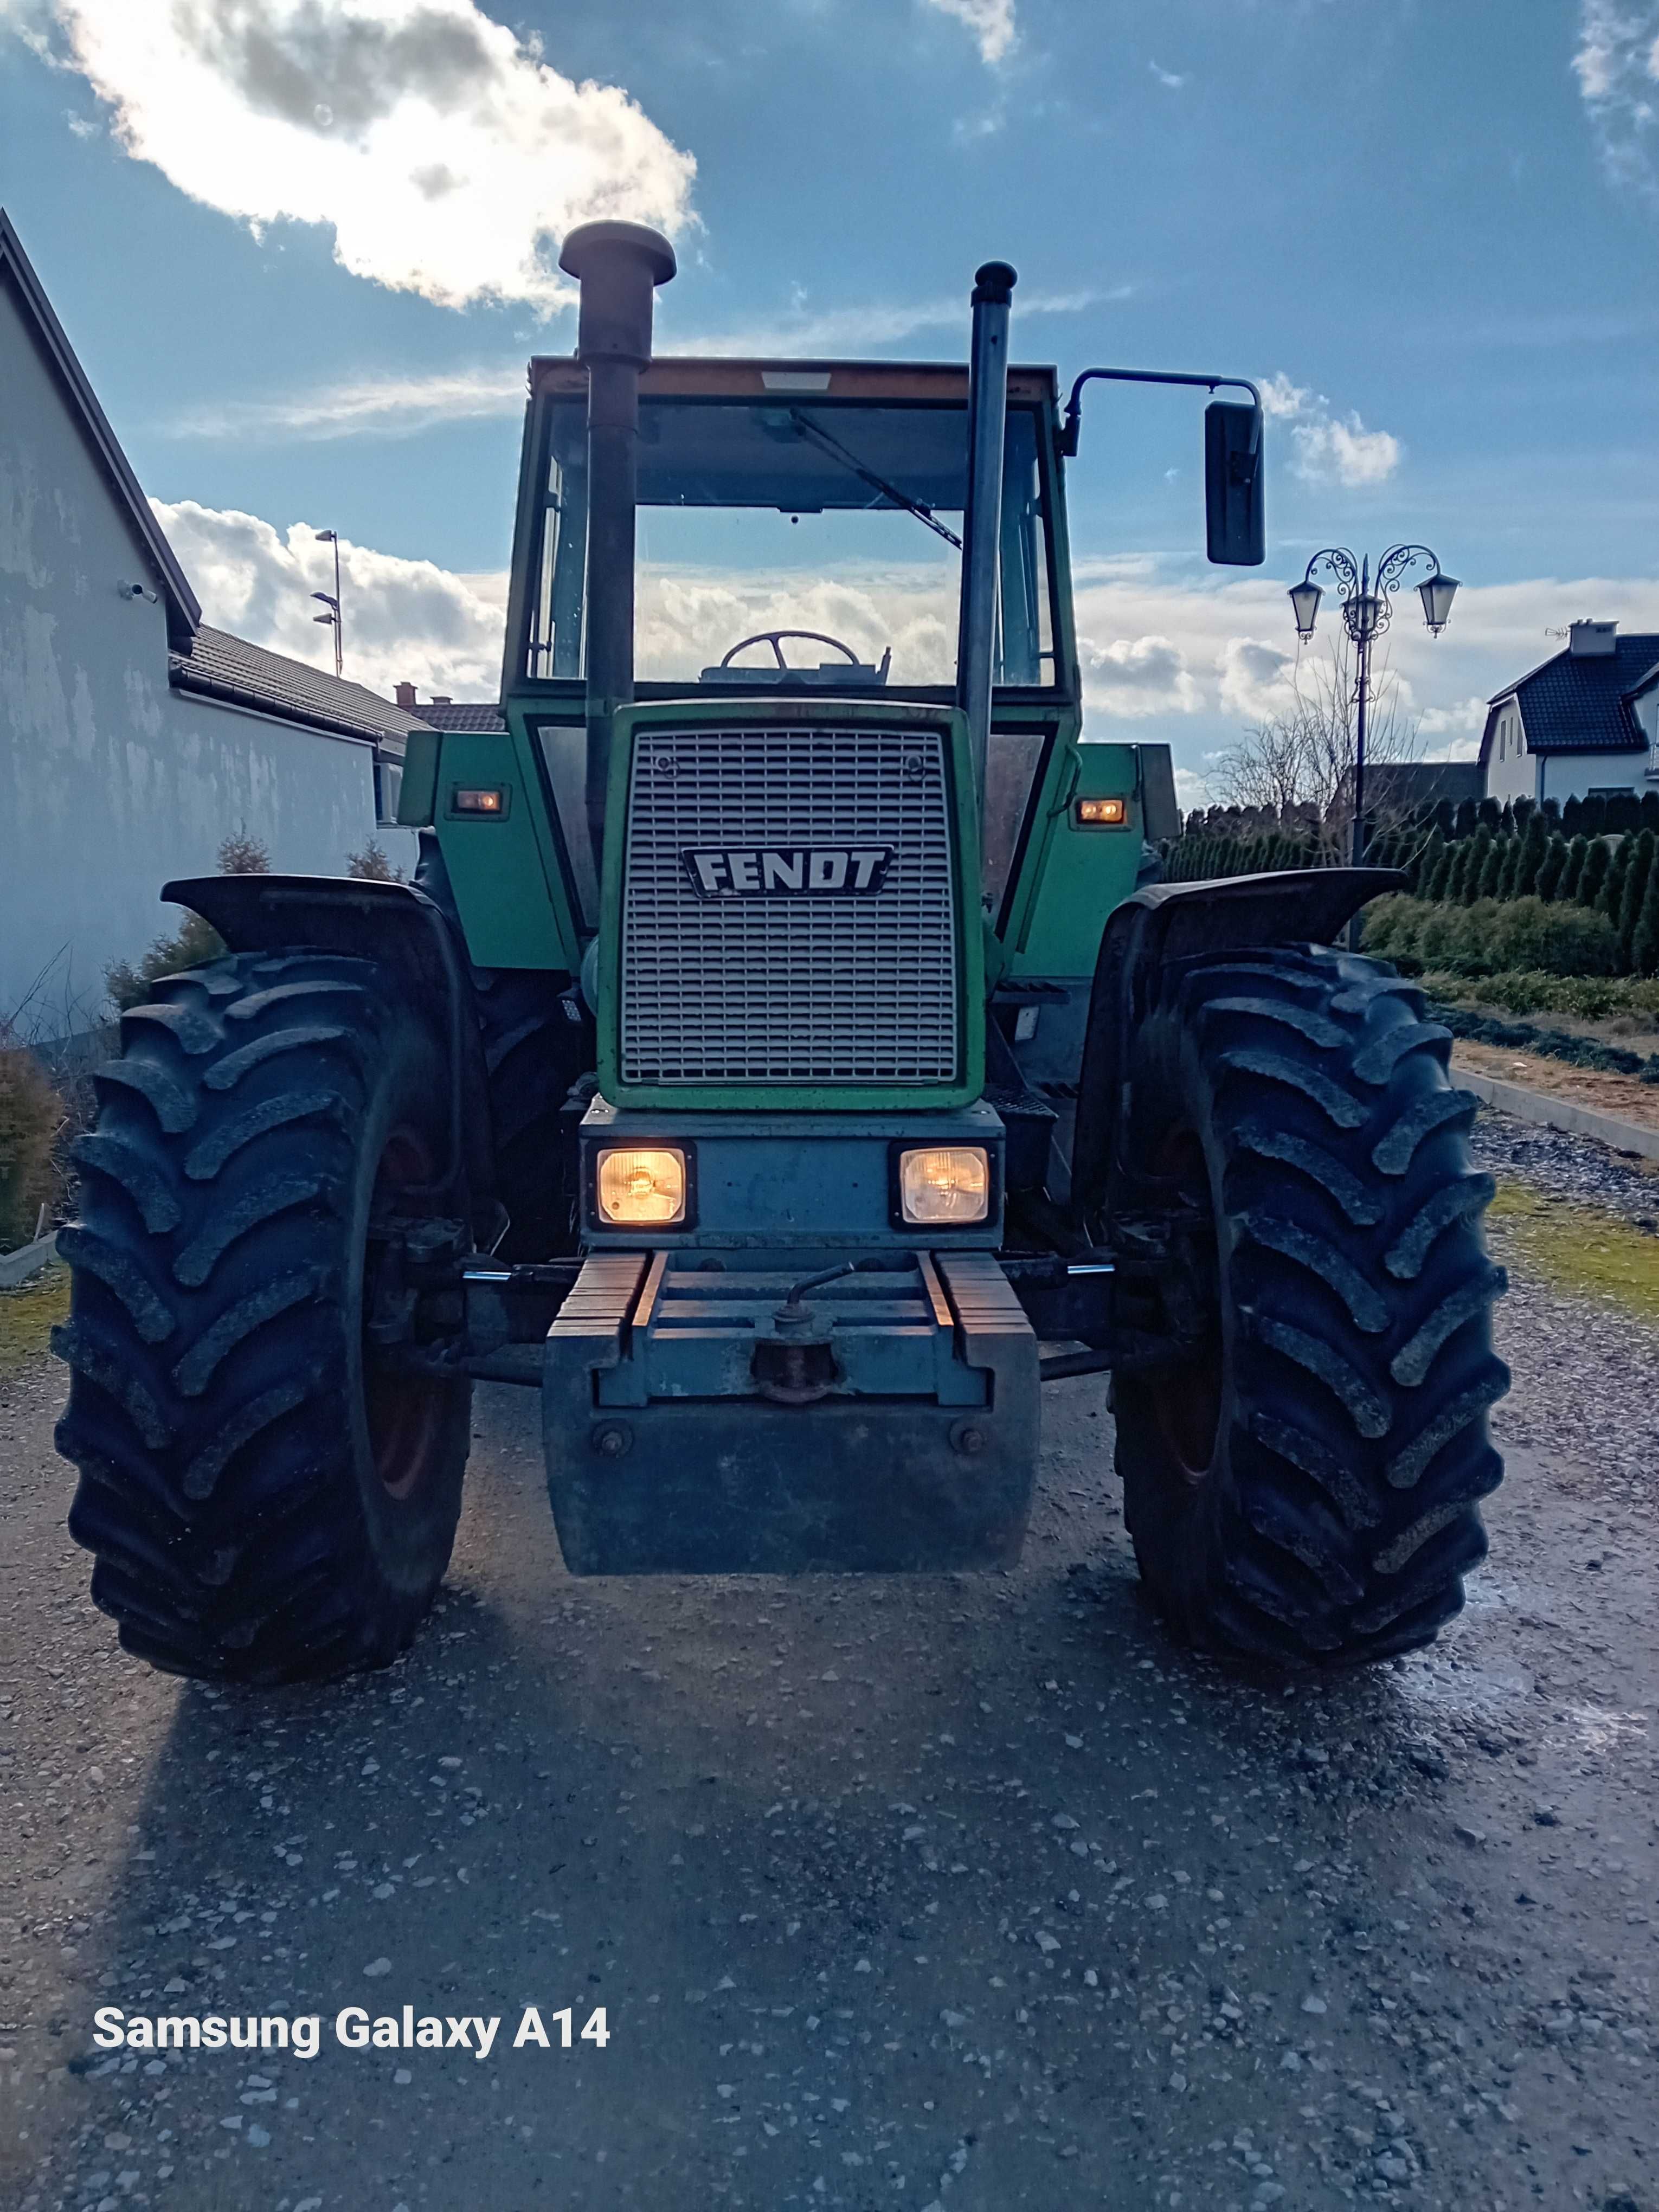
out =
column 1235, row 527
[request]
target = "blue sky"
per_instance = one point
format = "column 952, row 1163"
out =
column 1437, row 225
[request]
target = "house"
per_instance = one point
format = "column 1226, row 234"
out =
column 1584, row 722
column 133, row 736
column 1400, row 791
column 450, row 714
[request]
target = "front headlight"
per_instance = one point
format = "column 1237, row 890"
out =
column 946, row 1184
column 640, row 1186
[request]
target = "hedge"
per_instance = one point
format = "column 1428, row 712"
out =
column 1490, row 936
column 1554, row 1044
column 1535, row 991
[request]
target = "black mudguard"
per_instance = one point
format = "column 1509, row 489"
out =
column 401, row 928
column 1170, row 922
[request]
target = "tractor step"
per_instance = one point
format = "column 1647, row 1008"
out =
column 744, row 1419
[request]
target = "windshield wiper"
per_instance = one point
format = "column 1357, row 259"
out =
column 833, row 448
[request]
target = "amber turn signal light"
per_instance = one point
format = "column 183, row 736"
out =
column 1101, row 813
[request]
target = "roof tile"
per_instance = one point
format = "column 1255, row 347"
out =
column 221, row 666
column 1580, row 702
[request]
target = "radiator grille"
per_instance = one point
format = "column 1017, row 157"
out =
column 832, row 989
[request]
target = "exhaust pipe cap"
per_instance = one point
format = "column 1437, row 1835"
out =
column 993, row 283
column 618, row 266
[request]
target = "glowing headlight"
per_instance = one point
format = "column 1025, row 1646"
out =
column 1101, row 813
column 946, row 1183
column 639, row 1187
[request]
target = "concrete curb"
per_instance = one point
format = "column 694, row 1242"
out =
column 17, row 1266
column 1551, row 1113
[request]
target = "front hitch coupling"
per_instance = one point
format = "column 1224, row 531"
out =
column 797, row 1364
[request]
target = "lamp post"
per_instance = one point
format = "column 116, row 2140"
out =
column 1367, row 602
column 332, row 601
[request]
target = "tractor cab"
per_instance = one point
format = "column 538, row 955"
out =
column 799, row 530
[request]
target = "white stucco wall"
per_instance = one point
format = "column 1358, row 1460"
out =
column 1511, row 770
column 1569, row 775
column 110, row 781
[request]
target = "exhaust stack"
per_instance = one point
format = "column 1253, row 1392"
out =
column 988, row 416
column 618, row 266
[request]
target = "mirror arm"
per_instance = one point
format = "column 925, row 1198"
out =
column 1072, row 428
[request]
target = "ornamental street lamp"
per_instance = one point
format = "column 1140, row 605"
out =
column 332, row 601
column 1367, row 604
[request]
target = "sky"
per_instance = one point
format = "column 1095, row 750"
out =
column 304, row 248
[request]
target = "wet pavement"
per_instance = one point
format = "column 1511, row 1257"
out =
column 967, row 1893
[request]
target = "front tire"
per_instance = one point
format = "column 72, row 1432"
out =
column 265, row 1504
column 1303, row 1488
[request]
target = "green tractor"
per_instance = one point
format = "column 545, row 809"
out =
column 778, row 1048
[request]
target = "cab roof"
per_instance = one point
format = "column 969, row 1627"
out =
column 692, row 376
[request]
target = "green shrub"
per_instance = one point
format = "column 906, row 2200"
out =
column 195, row 942
column 1553, row 1044
column 1645, row 937
column 1551, row 866
column 1473, row 867
column 1529, row 861
column 1493, row 936
column 1611, row 889
column 371, row 865
column 1530, row 991
column 1597, row 861
column 31, row 1115
column 191, row 945
column 1633, row 893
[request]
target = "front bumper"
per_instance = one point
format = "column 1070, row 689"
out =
column 664, row 1455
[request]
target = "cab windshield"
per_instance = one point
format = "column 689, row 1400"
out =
column 838, row 521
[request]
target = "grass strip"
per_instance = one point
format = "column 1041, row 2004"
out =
column 1579, row 1249
column 26, row 1316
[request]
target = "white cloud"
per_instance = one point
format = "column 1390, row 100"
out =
column 1329, row 449
column 804, row 331
column 1253, row 678
column 1135, row 676
column 991, row 22
column 1464, row 718
column 401, row 404
column 687, row 618
column 398, row 405
column 445, row 154
column 404, row 620
column 1167, row 78
column 1178, row 659
column 1617, row 65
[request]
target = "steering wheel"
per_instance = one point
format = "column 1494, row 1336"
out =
column 774, row 638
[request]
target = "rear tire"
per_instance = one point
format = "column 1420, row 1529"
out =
column 264, row 1504
column 1304, row 1490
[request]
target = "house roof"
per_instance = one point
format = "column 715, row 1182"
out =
column 1417, row 785
column 1580, row 702
column 16, row 272
column 453, row 714
column 219, row 666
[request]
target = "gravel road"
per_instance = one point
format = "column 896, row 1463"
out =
column 968, row 1894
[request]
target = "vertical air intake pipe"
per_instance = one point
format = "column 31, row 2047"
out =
column 618, row 266
column 987, row 414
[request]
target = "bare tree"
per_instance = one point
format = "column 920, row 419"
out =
column 1304, row 757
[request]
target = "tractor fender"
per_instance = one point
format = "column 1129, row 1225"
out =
column 1165, row 923
column 401, row 928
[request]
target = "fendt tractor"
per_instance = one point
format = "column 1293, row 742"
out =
column 787, row 1064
